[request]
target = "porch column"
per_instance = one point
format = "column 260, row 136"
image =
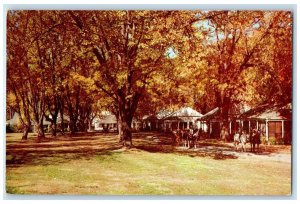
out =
column 267, row 131
column 242, row 126
column 198, row 124
column 249, row 126
column 230, row 127
column 257, row 125
column 282, row 128
column 178, row 125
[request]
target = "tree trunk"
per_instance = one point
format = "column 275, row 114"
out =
column 26, row 130
column 53, row 128
column 87, row 125
column 90, row 125
column 225, row 109
column 126, row 133
column 40, row 130
column 72, row 125
column 62, row 122
column 124, row 123
column 120, row 131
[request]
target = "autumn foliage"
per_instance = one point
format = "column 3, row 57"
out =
column 136, row 62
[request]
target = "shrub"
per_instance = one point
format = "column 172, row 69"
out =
column 280, row 141
column 263, row 139
column 273, row 141
column 14, row 128
column 9, row 129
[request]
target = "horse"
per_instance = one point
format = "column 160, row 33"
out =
column 186, row 137
column 177, row 137
column 236, row 140
column 194, row 137
column 224, row 134
column 255, row 140
column 240, row 139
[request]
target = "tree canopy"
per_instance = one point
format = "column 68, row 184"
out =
column 137, row 62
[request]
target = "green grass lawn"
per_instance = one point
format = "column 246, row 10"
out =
column 96, row 164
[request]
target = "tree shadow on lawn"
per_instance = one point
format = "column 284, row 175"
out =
column 62, row 149
column 52, row 157
column 156, row 142
column 162, row 143
column 216, row 153
column 53, row 150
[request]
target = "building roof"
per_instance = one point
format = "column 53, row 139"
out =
column 159, row 116
column 66, row 118
column 211, row 114
column 14, row 120
column 234, row 112
column 163, row 113
column 187, row 112
column 106, row 119
column 275, row 112
column 184, row 114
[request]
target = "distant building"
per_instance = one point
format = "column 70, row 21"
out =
column 16, row 120
column 136, row 124
column 184, row 118
column 212, row 123
column 274, row 122
column 107, row 123
column 165, row 120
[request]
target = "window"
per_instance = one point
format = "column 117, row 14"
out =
column 275, row 129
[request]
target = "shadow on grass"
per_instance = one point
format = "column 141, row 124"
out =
column 198, row 152
column 162, row 143
column 61, row 149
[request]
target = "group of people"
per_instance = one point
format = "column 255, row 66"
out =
column 242, row 138
column 187, row 137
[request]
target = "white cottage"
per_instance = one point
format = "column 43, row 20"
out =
column 184, row 118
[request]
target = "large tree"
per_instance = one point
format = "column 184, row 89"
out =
column 131, row 49
column 241, row 57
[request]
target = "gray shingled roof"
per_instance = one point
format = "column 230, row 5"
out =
column 184, row 114
column 275, row 112
column 107, row 119
column 211, row 114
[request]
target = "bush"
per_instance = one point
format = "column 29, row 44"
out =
column 9, row 129
column 263, row 139
column 280, row 141
column 272, row 141
column 14, row 128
